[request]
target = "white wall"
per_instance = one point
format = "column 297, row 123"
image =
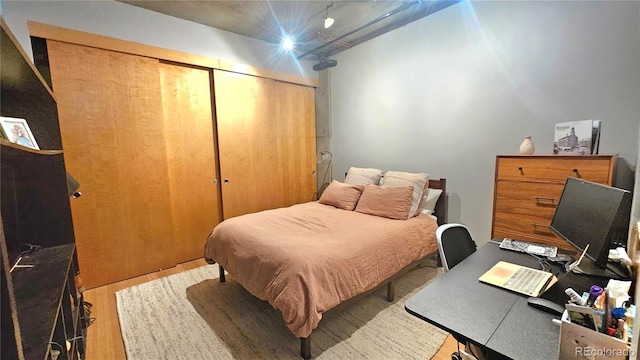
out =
column 447, row 93
column 123, row 21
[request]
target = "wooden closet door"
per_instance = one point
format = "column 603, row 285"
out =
column 111, row 120
column 266, row 136
column 188, row 123
column 296, row 141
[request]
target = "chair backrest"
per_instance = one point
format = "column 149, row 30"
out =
column 454, row 244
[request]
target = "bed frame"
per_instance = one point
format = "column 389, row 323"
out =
column 440, row 212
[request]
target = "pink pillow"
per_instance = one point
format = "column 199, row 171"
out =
column 419, row 182
column 392, row 202
column 342, row 196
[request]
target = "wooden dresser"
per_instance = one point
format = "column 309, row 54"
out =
column 527, row 189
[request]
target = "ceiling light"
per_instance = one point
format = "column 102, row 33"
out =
column 287, row 44
column 327, row 20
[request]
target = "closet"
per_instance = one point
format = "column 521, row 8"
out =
column 267, row 142
column 165, row 150
column 191, row 160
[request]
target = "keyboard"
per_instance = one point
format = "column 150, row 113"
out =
column 529, row 248
column 525, row 281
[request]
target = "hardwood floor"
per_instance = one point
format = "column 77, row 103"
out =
column 450, row 345
column 104, row 341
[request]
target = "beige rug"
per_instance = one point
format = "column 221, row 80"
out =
column 193, row 316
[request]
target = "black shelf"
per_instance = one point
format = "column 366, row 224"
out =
column 40, row 306
column 38, row 292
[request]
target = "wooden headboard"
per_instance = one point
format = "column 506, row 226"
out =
column 441, row 206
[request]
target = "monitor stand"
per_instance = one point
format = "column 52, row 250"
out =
column 588, row 267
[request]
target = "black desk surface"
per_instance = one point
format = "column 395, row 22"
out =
column 492, row 317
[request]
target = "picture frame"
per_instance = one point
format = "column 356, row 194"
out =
column 595, row 138
column 17, row 131
column 575, row 137
column 584, row 316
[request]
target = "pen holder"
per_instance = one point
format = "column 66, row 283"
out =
column 579, row 342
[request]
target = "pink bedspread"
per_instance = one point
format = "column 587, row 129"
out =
column 308, row 258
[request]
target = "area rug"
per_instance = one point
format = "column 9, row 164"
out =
column 191, row 315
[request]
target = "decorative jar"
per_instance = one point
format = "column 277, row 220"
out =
column 527, row 147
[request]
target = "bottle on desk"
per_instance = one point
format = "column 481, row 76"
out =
column 575, row 297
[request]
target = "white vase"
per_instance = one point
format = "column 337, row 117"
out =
column 527, row 147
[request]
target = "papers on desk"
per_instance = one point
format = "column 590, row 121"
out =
column 518, row 278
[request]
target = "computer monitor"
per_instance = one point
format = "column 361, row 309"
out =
column 592, row 214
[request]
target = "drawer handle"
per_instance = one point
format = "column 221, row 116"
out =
column 545, row 227
column 544, row 199
column 576, row 172
column 540, row 225
column 521, row 172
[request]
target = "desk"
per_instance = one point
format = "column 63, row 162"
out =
column 496, row 319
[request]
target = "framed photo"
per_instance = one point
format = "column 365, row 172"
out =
column 575, row 138
column 595, row 145
column 584, row 316
column 17, row 131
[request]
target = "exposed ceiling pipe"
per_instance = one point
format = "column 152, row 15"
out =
column 392, row 12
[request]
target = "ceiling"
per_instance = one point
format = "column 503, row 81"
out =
column 302, row 20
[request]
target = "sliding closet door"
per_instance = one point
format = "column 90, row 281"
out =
column 111, row 120
column 188, row 122
column 266, row 132
column 296, row 141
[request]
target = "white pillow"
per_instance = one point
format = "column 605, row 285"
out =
column 363, row 176
column 429, row 200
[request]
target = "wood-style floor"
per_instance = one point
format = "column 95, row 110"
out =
column 104, row 341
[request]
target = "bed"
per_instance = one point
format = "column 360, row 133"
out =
column 308, row 258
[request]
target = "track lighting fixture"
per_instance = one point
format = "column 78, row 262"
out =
column 288, row 44
column 325, row 63
column 327, row 20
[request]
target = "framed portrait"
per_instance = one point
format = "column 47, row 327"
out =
column 17, row 131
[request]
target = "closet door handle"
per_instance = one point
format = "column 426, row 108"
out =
column 215, row 181
column 226, row 180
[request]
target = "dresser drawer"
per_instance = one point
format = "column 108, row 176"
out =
column 528, row 188
column 526, row 227
column 527, row 198
column 596, row 168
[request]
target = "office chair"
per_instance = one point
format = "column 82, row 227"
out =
column 454, row 245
